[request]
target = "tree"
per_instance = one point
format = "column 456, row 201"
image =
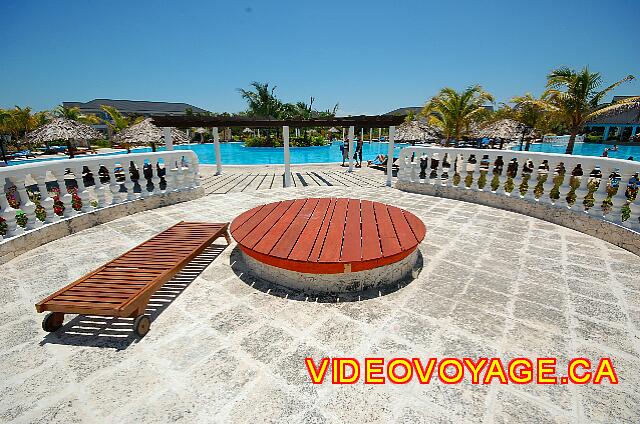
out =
column 262, row 102
column 119, row 121
column 453, row 111
column 74, row 114
column 576, row 98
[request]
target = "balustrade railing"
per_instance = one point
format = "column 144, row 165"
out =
column 37, row 193
column 599, row 187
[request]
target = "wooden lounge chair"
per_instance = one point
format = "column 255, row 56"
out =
column 123, row 286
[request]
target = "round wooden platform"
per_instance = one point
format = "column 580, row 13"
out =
column 327, row 235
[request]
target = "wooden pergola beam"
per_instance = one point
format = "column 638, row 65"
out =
column 362, row 121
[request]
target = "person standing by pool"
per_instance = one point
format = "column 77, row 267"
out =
column 358, row 154
column 344, row 148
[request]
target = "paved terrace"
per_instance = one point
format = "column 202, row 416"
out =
column 225, row 348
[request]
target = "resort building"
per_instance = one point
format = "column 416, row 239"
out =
column 620, row 127
column 132, row 108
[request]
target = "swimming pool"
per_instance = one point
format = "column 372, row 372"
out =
column 586, row 149
column 236, row 153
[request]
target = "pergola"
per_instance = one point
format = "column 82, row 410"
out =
column 215, row 122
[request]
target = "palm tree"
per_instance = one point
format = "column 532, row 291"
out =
column 74, row 114
column 119, row 121
column 576, row 98
column 453, row 111
column 262, row 102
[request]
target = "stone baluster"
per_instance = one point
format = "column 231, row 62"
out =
column 170, row 174
column 46, row 201
column 521, row 161
column 83, row 192
column 461, row 168
column 8, row 213
column 194, row 175
column 565, row 186
column 502, row 177
column 619, row 199
column 26, row 205
column 548, row 183
column 142, row 180
column 581, row 190
column 532, row 182
column 98, row 187
column 482, row 170
column 128, row 182
column 114, row 185
column 413, row 169
column 181, row 173
column 601, row 193
column 155, row 177
column 65, row 197
column 440, row 170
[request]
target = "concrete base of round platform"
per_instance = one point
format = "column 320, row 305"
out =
column 348, row 282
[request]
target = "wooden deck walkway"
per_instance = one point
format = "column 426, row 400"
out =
column 231, row 182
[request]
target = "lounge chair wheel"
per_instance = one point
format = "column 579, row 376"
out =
column 52, row 321
column 141, row 325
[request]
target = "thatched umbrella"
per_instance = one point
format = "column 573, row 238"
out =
column 418, row 132
column 145, row 132
column 62, row 129
column 334, row 130
column 247, row 131
column 507, row 129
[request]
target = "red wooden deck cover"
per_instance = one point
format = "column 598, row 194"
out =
column 327, row 235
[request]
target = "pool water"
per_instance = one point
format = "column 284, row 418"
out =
column 586, row 149
column 236, row 153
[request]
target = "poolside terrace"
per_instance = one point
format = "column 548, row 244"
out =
column 226, row 347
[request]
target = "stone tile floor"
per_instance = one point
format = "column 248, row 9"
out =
column 494, row 283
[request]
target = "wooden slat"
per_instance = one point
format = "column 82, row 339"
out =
column 284, row 246
column 271, row 237
column 370, row 237
column 417, row 226
column 403, row 230
column 265, row 226
column 314, row 256
column 308, row 237
column 335, row 234
column 352, row 244
column 242, row 230
column 388, row 239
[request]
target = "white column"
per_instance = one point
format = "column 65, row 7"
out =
column 392, row 134
column 379, row 133
column 606, row 133
column 216, row 146
column 370, row 134
column 168, row 140
column 343, row 133
column 351, row 149
column 362, row 134
column 287, row 157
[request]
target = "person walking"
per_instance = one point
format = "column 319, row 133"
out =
column 344, row 148
column 358, row 153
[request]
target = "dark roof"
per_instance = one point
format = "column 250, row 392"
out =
column 630, row 116
column 618, row 98
column 406, row 110
column 187, row 121
column 136, row 107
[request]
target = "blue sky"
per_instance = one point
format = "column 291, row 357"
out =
column 369, row 56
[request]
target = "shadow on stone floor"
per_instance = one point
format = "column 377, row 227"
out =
column 240, row 269
column 117, row 333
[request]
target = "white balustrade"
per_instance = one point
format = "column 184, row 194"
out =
column 595, row 179
column 16, row 182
